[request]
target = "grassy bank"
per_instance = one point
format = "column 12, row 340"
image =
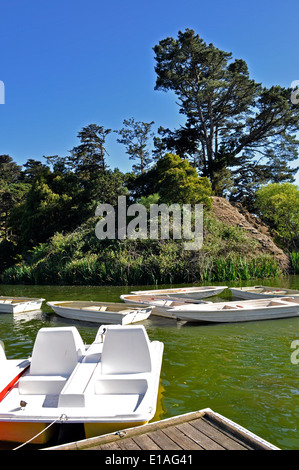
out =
column 79, row 258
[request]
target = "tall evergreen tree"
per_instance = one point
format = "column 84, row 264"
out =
column 90, row 155
column 32, row 168
column 135, row 136
column 9, row 170
column 231, row 121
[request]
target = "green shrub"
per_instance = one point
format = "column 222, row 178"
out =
column 79, row 258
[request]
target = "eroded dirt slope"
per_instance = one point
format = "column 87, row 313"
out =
column 236, row 215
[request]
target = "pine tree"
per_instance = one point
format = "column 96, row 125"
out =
column 232, row 122
column 90, row 155
column 135, row 136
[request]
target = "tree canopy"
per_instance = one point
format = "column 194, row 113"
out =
column 135, row 136
column 178, row 182
column 232, row 122
column 278, row 204
column 12, row 190
column 90, row 155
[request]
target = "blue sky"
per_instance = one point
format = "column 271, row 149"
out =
column 69, row 63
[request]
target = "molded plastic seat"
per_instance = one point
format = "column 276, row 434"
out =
column 126, row 363
column 55, row 354
column 126, row 350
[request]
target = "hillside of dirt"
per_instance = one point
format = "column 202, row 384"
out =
column 235, row 214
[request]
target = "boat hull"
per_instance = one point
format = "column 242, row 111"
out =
column 95, row 316
column 21, row 432
column 261, row 292
column 161, row 305
column 242, row 315
column 19, row 305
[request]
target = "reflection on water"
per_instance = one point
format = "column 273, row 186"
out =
column 240, row 370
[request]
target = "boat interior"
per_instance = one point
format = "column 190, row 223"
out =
column 161, row 301
column 282, row 301
column 11, row 300
column 117, row 368
column 97, row 306
column 247, row 304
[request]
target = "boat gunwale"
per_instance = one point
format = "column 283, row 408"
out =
column 179, row 290
column 233, row 308
column 125, row 308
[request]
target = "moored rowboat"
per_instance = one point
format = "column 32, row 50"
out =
column 261, row 292
column 243, row 311
column 189, row 292
column 19, row 304
column 101, row 312
column 162, row 305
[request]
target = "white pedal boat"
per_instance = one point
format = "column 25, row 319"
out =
column 243, row 311
column 101, row 312
column 189, row 292
column 261, row 292
column 161, row 305
column 111, row 385
column 19, row 304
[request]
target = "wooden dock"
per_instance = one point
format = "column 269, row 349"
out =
column 201, row 430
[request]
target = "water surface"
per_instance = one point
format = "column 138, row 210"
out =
column 242, row 370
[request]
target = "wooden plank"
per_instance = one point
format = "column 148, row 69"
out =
column 128, row 444
column 110, row 446
column 200, row 438
column 245, row 437
column 145, row 442
column 163, row 441
column 178, row 435
column 213, row 433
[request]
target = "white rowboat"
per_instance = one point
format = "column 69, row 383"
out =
column 19, row 304
column 111, row 385
column 189, row 292
column 261, row 292
column 162, row 305
column 101, row 312
column 243, row 311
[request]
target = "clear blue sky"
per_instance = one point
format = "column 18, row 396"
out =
column 69, row 63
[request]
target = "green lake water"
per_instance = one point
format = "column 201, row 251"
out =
column 242, row 370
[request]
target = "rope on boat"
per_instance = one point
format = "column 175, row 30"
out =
column 62, row 417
